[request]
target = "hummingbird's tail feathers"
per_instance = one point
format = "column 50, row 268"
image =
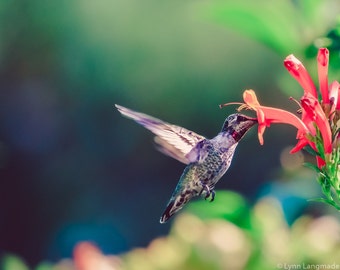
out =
column 175, row 204
column 168, row 212
column 172, row 208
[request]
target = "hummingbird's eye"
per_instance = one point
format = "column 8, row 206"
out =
column 233, row 119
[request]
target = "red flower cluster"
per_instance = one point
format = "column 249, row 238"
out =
column 316, row 117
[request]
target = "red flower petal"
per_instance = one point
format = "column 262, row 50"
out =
column 322, row 59
column 299, row 72
column 320, row 162
column 268, row 115
column 315, row 113
column 300, row 145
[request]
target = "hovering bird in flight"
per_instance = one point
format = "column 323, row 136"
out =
column 207, row 159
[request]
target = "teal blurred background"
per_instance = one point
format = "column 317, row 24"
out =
column 73, row 169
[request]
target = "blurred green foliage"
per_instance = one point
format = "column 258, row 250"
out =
column 221, row 242
column 11, row 262
column 199, row 240
column 285, row 26
column 65, row 153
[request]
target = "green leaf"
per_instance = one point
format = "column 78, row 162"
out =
column 323, row 200
column 319, row 144
column 326, row 187
column 311, row 151
column 269, row 22
column 312, row 166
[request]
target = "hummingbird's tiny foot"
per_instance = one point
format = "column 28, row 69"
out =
column 207, row 190
column 212, row 196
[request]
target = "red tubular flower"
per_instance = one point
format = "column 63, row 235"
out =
column 268, row 115
column 323, row 56
column 316, row 116
column 315, row 113
column 299, row 72
column 312, row 113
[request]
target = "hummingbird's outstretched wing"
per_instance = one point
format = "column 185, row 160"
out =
column 172, row 140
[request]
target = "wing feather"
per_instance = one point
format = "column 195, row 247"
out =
column 172, row 140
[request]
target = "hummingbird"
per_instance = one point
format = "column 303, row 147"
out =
column 207, row 160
